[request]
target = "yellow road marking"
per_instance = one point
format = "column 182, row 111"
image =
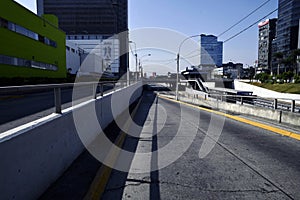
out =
column 98, row 185
column 240, row 119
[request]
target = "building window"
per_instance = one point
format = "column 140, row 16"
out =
column 3, row 23
column 41, row 38
column 25, row 32
column 53, row 43
column 8, row 60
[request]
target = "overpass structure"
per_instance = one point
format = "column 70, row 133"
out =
column 187, row 149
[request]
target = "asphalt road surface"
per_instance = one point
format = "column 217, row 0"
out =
column 186, row 153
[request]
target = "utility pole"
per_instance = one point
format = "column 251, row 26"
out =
column 178, row 57
column 136, row 67
column 177, row 77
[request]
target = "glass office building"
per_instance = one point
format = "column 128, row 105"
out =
column 287, row 26
column 88, row 16
column 211, row 52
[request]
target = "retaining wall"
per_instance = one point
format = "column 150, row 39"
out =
column 200, row 98
column 34, row 155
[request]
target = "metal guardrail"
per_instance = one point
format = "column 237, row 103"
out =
column 57, row 89
column 221, row 94
column 271, row 103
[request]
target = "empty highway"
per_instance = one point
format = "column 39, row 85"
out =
column 180, row 151
column 245, row 162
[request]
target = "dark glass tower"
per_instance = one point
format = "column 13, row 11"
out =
column 88, row 16
column 287, row 26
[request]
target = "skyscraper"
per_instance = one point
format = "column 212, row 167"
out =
column 287, row 26
column 92, row 17
column 267, row 32
column 94, row 20
column 211, row 52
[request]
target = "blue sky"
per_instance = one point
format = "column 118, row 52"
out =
column 191, row 17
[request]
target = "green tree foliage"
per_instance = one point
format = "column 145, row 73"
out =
column 287, row 76
column 263, row 77
column 296, row 79
column 251, row 73
column 279, row 57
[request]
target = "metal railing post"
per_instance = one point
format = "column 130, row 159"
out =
column 293, row 104
column 57, row 100
column 280, row 116
column 95, row 86
column 242, row 100
column 275, row 104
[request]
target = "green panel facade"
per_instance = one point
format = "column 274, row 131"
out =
column 45, row 47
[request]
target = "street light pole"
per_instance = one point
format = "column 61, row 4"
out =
column 178, row 57
column 136, row 67
column 177, row 76
column 128, row 81
column 140, row 65
column 135, row 54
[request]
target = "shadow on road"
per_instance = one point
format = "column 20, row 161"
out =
column 116, row 186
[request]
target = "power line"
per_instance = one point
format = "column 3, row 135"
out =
column 231, row 27
column 250, row 26
column 192, row 56
column 165, row 60
column 237, row 34
column 169, row 62
column 192, row 52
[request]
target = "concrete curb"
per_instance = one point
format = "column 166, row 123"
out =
column 101, row 179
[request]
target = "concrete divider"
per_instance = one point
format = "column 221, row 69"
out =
column 34, row 155
column 275, row 115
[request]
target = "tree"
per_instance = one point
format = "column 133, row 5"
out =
column 295, row 59
column 287, row 76
column 279, row 57
column 263, row 77
column 251, row 73
column 296, row 79
column 287, row 63
column 280, row 78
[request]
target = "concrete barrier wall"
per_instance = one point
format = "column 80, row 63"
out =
column 34, row 155
column 276, row 115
